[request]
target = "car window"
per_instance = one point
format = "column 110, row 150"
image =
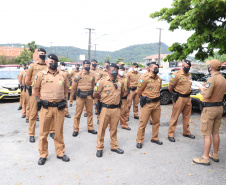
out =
column 8, row 74
column 165, row 76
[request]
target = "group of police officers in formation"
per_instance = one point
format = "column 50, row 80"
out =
column 44, row 88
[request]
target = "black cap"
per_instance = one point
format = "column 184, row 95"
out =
column 53, row 56
column 135, row 64
column 187, row 62
column 94, row 60
column 106, row 61
column 86, row 62
column 41, row 49
column 77, row 65
column 122, row 67
column 63, row 64
column 114, row 65
column 155, row 63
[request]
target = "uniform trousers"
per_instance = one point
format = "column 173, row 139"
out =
column 183, row 105
column 108, row 116
column 46, row 117
column 123, row 114
column 152, row 109
column 133, row 96
column 33, row 115
column 80, row 103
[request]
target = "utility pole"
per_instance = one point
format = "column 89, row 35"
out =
column 51, row 46
column 89, row 44
column 95, row 51
column 159, row 55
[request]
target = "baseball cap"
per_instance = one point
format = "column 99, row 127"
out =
column 216, row 64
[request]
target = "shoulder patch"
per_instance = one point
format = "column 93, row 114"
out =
column 207, row 85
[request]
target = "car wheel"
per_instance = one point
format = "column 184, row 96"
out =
column 165, row 97
column 224, row 106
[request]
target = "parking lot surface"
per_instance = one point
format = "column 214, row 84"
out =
column 170, row 163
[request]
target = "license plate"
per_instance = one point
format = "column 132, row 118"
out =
column 13, row 94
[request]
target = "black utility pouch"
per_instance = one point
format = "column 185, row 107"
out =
column 175, row 96
column 62, row 104
column 83, row 94
column 45, row 104
column 143, row 101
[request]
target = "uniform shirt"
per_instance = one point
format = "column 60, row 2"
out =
column 73, row 73
column 85, row 80
column 66, row 76
column 181, row 82
column 109, row 94
column 33, row 70
column 96, row 73
column 133, row 77
column 123, row 80
column 102, row 74
column 23, row 77
column 52, row 86
column 215, row 88
column 149, row 85
column 20, row 76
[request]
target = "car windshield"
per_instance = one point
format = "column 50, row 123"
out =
column 8, row 74
column 204, row 78
column 165, row 76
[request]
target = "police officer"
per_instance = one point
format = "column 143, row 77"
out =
column 123, row 110
column 67, row 76
column 21, row 96
column 83, row 85
column 51, row 88
column 180, row 86
column 104, row 72
column 22, row 91
column 96, row 73
column 213, row 95
column 132, row 82
column 72, row 76
column 149, row 90
column 31, row 73
column 109, row 90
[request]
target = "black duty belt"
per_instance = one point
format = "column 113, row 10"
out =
column 53, row 104
column 87, row 92
column 208, row 104
column 122, row 98
column 184, row 95
column 149, row 100
column 110, row 106
column 133, row 88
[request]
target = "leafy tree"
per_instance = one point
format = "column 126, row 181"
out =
column 222, row 58
column 119, row 60
column 108, row 58
column 100, row 64
column 64, row 59
column 24, row 56
column 3, row 59
column 206, row 18
column 32, row 47
column 140, row 66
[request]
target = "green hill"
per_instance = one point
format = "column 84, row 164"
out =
column 135, row 53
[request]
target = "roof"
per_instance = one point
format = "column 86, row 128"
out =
column 156, row 56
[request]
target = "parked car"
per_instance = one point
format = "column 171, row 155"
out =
column 9, row 88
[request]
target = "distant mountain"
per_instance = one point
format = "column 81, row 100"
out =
column 135, row 53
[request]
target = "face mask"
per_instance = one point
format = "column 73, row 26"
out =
column 87, row 68
column 156, row 70
column 94, row 65
column 186, row 69
column 53, row 65
column 121, row 73
column 114, row 73
column 62, row 68
column 43, row 57
column 135, row 69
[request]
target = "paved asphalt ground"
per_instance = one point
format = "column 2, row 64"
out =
column 170, row 163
